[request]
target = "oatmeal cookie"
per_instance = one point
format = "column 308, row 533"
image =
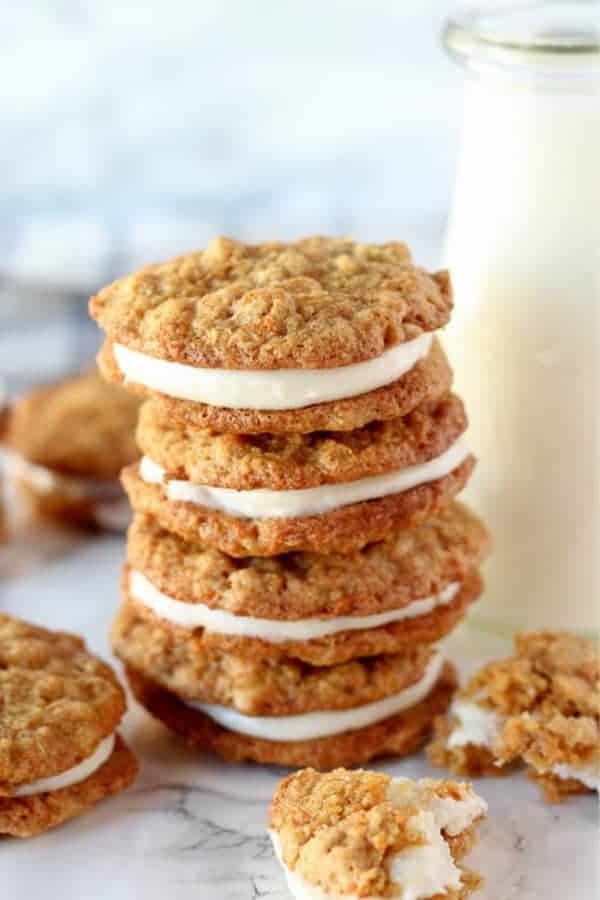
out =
column 65, row 444
column 180, row 662
column 359, row 834
column 540, row 706
column 349, row 641
column 314, row 303
column 408, row 566
column 59, row 710
column 297, row 461
column 398, row 735
column 79, row 427
column 342, row 530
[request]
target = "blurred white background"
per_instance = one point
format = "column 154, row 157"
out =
column 133, row 130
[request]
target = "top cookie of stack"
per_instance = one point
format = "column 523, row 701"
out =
column 260, row 334
column 299, row 397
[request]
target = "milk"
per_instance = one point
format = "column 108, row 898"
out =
column 524, row 251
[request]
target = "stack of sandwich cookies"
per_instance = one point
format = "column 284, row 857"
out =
column 540, row 707
column 296, row 553
column 65, row 444
column 60, row 707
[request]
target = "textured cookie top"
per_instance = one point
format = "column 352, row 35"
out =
column 341, row 830
column 550, row 672
column 296, row 461
column 314, row 303
column 550, row 693
column 80, row 426
column 57, row 702
column 177, row 660
column 412, row 564
column 545, row 739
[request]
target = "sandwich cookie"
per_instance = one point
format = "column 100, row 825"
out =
column 65, row 444
column 275, row 327
column 429, row 378
column 60, row 707
column 325, row 492
column 322, row 609
column 400, row 734
column 540, row 707
column 351, row 834
column 283, row 711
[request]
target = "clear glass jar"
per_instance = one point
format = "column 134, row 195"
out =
column 523, row 247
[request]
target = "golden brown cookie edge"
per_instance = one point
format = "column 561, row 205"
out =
column 337, row 648
column 343, row 530
column 396, row 736
column 429, row 379
column 29, row 816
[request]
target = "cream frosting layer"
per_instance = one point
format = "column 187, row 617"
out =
column 588, row 775
column 269, row 389
column 274, row 631
column 481, row 726
column 425, row 870
column 417, row 872
column 266, row 504
column 453, row 815
column 422, row 872
column 71, row 776
column 45, row 480
column 309, row 726
column 476, row 725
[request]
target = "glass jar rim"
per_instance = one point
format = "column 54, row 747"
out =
column 548, row 35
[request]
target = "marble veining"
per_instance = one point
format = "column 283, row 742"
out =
column 193, row 828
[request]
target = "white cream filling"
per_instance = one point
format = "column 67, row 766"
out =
column 418, row 872
column 480, row 726
column 588, row 775
column 45, row 481
column 269, row 389
column 308, row 726
column 452, row 815
column 425, row 870
column 476, row 725
column 198, row 615
column 71, row 776
column 39, row 477
column 266, row 504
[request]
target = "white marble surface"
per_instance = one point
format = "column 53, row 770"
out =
column 193, row 828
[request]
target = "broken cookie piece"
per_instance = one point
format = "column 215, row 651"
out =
column 540, row 707
column 366, row 834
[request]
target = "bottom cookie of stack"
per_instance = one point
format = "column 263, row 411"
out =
column 288, row 712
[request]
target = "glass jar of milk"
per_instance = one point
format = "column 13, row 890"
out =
column 524, row 251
